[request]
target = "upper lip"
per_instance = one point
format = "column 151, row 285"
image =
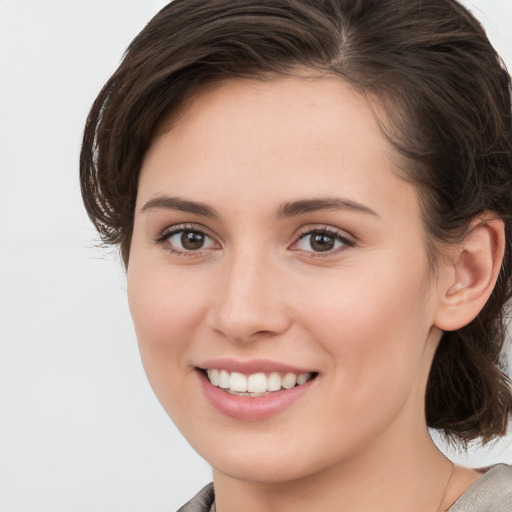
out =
column 251, row 366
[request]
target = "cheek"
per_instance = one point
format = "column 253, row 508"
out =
column 166, row 310
column 375, row 338
column 162, row 302
column 374, row 327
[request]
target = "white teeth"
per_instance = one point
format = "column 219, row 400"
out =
column 213, row 375
column 238, row 382
column 223, row 379
column 303, row 378
column 274, row 382
column 289, row 380
column 255, row 384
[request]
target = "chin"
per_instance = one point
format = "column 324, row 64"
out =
column 262, row 457
column 258, row 469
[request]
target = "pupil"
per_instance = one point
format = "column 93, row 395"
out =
column 322, row 242
column 192, row 240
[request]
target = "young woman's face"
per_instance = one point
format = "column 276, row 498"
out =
column 274, row 241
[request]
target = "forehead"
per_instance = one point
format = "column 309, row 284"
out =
column 276, row 138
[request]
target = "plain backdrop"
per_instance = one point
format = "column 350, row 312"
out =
column 80, row 430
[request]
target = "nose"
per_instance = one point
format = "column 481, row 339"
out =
column 249, row 303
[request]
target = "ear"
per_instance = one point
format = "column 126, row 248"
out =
column 469, row 273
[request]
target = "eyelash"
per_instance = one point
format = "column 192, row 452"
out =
column 167, row 234
column 327, row 231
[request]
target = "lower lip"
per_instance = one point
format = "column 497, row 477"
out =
column 252, row 408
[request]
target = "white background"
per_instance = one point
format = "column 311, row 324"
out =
column 80, row 430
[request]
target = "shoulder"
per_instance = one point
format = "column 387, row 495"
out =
column 492, row 492
column 201, row 502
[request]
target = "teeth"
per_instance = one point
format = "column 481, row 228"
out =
column 223, row 379
column 303, row 378
column 255, row 384
column 238, row 382
column 274, row 382
column 213, row 375
column 289, row 381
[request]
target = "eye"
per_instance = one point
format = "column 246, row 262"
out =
column 322, row 241
column 183, row 240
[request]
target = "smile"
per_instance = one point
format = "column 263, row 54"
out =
column 254, row 390
column 256, row 384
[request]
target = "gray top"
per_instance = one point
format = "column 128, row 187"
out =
column 203, row 501
column 492, row 492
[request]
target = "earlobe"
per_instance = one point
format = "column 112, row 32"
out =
column 470, row 273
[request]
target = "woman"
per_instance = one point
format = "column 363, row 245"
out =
column 313, row 201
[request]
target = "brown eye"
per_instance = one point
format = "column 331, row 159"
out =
column 183, row 241
column 321, row 242
column 192, row 240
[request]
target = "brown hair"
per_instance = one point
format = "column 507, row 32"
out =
column 446, row 98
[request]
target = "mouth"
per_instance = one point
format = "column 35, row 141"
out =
column 256, row 384
column 257, row 389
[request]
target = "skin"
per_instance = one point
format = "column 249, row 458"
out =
column 367, row 316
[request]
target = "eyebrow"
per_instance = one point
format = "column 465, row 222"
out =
column 182, row 205
column 288, row 209
column 302, row 206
